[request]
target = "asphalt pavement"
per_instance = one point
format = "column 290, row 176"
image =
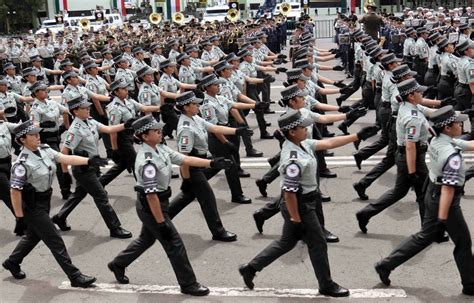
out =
column 431, row 276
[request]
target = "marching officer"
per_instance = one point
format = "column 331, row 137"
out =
column 448, row 65
column 82, row 139
column 6, row 129
column 170, row 84
column 47, row 113
column 11, row 103
column 31, row 180
column 464, row 90
column 420, row 63
column 299, row 187
column 125, row 73
column 409, row 50
column 153, row 170
column 192, row 136
column 14, row 81
column 442, row 202
column 216, row 109
column 157, row 55
column 412, row 138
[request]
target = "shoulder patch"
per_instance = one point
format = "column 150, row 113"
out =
column 292, row 170
column 186, row 123
column 18, row 176
column 293, row 155
column 414, row 113
column 148, row 156
column 23, row 157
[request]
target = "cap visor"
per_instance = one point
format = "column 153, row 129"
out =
column 306, row 122
column 85, row 105
column 422, row 88
column 197, row 101
column 303, row 93
column 461, row 118
column 35, row 131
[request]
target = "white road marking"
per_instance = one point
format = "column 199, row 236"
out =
column 237, row 291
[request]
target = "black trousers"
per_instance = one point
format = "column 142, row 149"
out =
column 383, row 119
column 252, row 93
column 127, row 158
column 457, row 230
column 445, row 87
column 420, row 66
column 388, row 161
column 402, row 185
column 247, row 140
column 170, row 118
column 368, row 94
column 205, row 196
column 313, row 236
column 5, row 182
column 88, row 183
column 219, row 149
column 41, row 228
column 431, row 79
column 149, row 233
column 52, row 139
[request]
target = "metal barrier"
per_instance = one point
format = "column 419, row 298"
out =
column 324, row 29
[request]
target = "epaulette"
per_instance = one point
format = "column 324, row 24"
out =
column 43, row 146
column 148, row 157
column 22, row 157
column 186, row 124
column 293, row 155
column 414, row 113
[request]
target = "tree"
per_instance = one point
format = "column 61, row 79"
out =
column 20, row 12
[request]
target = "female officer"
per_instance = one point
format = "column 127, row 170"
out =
column 170, row 84
column 215, row 109
column 120, row 110
column 299, row 187
column 31, row 179
column 6, row 128
column 82, row 139
column 442, row 202
column 126, row 74
column 47, row 113
column 149, row 93
column 412, row 136
column 153, row 171
column 447, row 68
column 95, row 84
column 192, row 140
column 465, row 87
column 74, row 89
column 293, row 99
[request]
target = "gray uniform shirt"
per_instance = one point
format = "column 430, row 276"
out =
column 14, row 83
column 47, row 110
column 421, row 48
column 187, row 75
column 215, row 110
column 192, row 134
column 411, row 125
column 298, row 166
column 149, row 94
column 448, row 64
column 168, row 83
column 83, row 136
column 128, row 75
column 38, row 171
column 466, row 70
column 96, row 84
column 120, row 112
column 6, row 128
column 153, row 167
column 9, row 100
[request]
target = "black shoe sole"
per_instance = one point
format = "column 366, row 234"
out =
column 334, row 295
column 121, row 281
column 196, row 294
column 4, row 264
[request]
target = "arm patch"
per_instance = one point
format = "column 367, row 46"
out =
column 150, row 183
column 451, row 171
column 18, row 176
column 292, row 177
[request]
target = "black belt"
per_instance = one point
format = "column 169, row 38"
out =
column 448, row 78
column 308, row 197
column 43, row 195
column 6, row 160
column 385, row 104
column 420, row 148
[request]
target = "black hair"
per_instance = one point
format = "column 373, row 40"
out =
column 438, row 130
